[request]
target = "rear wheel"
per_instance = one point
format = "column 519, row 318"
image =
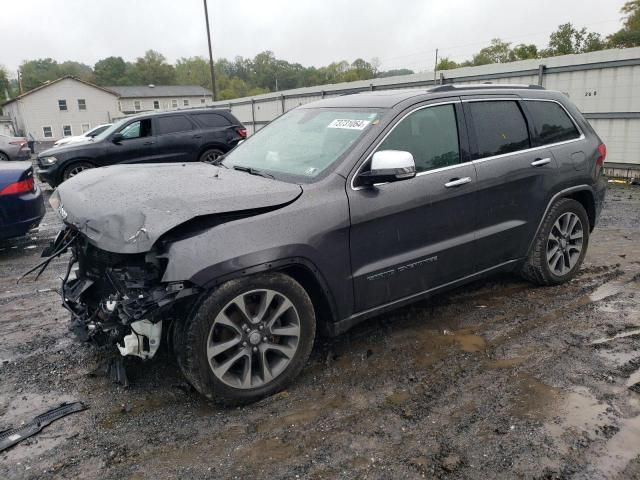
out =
column 560, row 246
column 211, row 156
column 249, row 339
column 4, row 157
column 75, row 168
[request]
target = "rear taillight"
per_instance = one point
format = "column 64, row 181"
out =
column 602, row 154
column 22, row 143
column 242, row 132
column 23, row 186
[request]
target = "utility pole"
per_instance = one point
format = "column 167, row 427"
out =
column 435, row 68
column 19, row 83
column 213, row 74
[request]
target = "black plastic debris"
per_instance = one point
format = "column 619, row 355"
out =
column 9, row 438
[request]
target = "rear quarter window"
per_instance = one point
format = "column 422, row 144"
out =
column 551, row 122
column 500, row 127
column 211, row 120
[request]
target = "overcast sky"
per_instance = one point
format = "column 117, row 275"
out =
column 401, row 33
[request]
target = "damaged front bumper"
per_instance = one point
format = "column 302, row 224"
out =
column 119, row 298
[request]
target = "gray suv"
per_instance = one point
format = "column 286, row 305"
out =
column 335, row 212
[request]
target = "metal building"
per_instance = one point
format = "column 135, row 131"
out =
column 605, row 85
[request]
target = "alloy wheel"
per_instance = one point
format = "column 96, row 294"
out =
column 253, row 339
column 564, row 244
column 76, row 170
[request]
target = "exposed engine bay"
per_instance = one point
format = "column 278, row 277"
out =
column 117, row 298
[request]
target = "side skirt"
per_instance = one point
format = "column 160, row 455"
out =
column 343, row 325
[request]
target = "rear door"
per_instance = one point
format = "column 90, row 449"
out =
column 413, row 235
column 179, row 139
column 217, row 130
column 138, row 144
column 514, row 177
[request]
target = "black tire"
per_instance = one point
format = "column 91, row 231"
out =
column 195, row 337
column 4, row 157
column 75, row 168
column 211, row 155
column 537, row 266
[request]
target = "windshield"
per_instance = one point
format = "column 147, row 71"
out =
column 113, row 128
column 304, row 142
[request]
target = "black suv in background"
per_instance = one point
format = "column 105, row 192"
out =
column 179, row 136
column 337, row 211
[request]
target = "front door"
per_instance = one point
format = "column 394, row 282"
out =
column 138, row 144
column 413, row 235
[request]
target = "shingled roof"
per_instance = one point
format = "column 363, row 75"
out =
column 155, row 91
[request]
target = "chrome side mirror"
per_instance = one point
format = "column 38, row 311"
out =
column 389, row 166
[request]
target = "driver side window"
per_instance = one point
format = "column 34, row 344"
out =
column 430, row 135
column 138, row 129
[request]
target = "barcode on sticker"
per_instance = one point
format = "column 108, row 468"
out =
column 349, row 124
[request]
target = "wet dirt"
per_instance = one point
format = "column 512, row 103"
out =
column 497, row 379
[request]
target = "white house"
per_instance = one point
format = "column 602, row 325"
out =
column 61, row 108
column 136, row 99
column 70, row 106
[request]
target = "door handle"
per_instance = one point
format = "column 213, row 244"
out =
column 538, row 162
column 197, row 136
column 148, row 143
column 456, row 182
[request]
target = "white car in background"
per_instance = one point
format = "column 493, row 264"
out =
column 84, row 137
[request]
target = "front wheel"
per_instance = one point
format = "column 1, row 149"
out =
column 560, row 246
column 249, row 339
column 211, row 156
column 74, row 169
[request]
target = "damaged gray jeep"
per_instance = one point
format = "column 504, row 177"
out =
column 335, row 212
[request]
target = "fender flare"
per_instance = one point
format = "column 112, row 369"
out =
column 282, row 264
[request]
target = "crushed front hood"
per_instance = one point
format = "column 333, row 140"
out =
column 126, row 208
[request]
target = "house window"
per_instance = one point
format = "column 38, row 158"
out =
column 62, row 105
column 47, row 132
column 156, row 104
column 85, row 127
column 66, row 131
column 185, row 102
column 202, row 101
column 136, row 104
column 82, row 104
column 174, row 103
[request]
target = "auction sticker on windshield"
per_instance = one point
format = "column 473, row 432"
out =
column 349, row 124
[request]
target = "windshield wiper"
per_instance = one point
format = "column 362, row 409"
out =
column 253, row 171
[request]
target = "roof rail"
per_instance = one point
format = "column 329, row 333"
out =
column 479, row 86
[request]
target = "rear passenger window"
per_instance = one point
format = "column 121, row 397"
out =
column 430, row 134
column 500, row 127
column 173, row 124
column 551, row 122
column 212, row 120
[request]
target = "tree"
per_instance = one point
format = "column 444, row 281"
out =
column 629, row 34
column 567, row 40
column 395, row 72
column 497, row 52
column 153, row 68
column 76, row 69
column 36, row 72
column 5, row 88
column 111, row 71
column 194, row 71
column 525, row 52
column 446, row 64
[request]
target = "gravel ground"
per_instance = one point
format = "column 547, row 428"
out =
column 497, row 379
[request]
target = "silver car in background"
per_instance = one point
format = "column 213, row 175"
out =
column 84, row 137
column 14, row 148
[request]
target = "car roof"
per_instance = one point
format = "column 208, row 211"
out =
column 223, row 111
column 390, row 98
